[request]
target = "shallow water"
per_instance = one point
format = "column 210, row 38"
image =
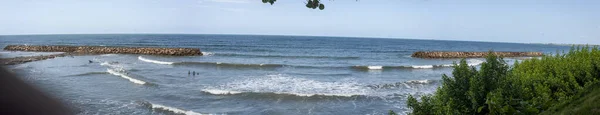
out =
column 242, row 74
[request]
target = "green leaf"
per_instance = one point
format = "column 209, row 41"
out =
column 392, row 113
column 309, row 4
column 480, row 108
column 272, row 1
column 321, row 6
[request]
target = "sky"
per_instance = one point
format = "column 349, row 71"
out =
column 521, row 21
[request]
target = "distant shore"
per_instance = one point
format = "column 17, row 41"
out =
column 565, row 44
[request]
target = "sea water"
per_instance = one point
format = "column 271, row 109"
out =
column 245, row 74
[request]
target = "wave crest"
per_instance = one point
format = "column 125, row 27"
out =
column 154, row 61
column 123, row 75
column 474, row 62
column 470, row 62
column 173, row 110
column 289, row 56
column 207, row 53
column 407, row 84
column 422, row 66
column 220, row 92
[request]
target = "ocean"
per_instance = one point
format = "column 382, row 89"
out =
column 245, row 74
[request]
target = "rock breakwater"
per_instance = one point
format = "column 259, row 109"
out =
column 442, row 54
column 107, row 50
column 20, row 60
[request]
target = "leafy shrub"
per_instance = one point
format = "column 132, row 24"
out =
column 529, row 87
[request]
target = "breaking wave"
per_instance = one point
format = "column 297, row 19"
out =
column 220, row 92
column 154, row 61
column 283, row 85
column 412, row 84
column 124, row 75
column 399, row 67
column 172, row 110
column 287, row 56
column 374, row 67
column 474, row 62
column 470, row 62
column 300, row 87
column 207, row 53
column 423, row 66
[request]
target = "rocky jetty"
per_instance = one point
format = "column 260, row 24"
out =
column 438, row 54
column 107, row 50
column 20, row 60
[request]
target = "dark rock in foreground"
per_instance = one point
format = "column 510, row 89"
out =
column 435, row 54
column 107, row 50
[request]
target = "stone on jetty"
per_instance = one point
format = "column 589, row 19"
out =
column 107, row 50
column 20, row 60
column 437, row 54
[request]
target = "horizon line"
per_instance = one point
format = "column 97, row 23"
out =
column 361, row 37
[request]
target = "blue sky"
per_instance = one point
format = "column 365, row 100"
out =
column 524, row 21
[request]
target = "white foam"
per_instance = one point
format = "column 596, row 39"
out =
column 470, row 62
column 113, row 65
column 422, row 66
column 154, row 61
column 105, row 64
column 220, row 92
column 207, row 53
column 173, row 109
column 125, row 76
column 419, row 81
column 448, row 65
column 279, row 84
column 474, row 62
column 108, row 55
column 375, row 67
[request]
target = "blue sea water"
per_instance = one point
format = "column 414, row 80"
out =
column 245, row 74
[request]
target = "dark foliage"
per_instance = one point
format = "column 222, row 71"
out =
column 529, row 87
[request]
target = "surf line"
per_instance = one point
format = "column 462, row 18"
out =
column 136, row 81
column 155, row 61
column 171, row 109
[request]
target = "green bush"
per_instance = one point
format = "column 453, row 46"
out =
column 529, row 87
